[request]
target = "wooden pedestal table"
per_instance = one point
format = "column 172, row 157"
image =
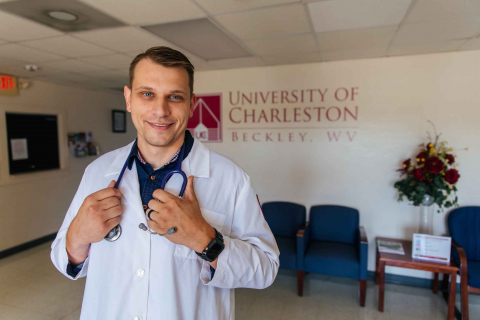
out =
column 406, row 261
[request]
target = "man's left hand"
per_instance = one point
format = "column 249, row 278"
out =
column 193, row 231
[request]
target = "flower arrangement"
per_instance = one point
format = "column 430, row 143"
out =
column 434, row 173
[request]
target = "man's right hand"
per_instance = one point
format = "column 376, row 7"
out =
column 100, row 212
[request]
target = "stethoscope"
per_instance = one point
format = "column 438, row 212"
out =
column 116, row 232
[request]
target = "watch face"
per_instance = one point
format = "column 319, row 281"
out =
column 216, row 248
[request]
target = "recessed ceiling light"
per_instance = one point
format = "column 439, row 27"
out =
column 62, row 15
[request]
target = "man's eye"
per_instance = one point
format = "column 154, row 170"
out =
column 176, row 97
column 147, row 94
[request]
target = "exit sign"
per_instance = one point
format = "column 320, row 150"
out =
column 8, row 86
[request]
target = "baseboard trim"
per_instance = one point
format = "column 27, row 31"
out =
column 27, row 245
column 403, row 280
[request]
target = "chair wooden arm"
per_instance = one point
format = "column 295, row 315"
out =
column 301, row 233
column 363, row 235
column 463, row 258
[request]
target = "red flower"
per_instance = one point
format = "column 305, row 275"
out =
column 434, row 165
column 451, row 176
column 418, row 174
column 406, row 163
column 422, row 156
column 450, row 158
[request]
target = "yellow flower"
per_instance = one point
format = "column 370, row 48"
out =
column 433, row 151
column 450, row 149
column 450, row 187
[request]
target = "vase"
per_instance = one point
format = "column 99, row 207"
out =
column 427, row 208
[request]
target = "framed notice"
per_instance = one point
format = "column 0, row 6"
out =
column 119, row 121
column 431, row 248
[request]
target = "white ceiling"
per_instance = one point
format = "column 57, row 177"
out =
column 273, row 32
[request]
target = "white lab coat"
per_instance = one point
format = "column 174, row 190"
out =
column 142, row 276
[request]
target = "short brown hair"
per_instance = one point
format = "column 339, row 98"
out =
column 166, row 57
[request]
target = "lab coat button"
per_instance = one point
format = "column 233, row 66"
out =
column 140, row 273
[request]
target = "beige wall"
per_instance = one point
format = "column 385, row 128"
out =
column 396, row 97
column 32, row 209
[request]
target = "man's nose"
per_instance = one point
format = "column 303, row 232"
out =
column 162, row 108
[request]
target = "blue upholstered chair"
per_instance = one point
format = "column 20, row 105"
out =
column 285, row 220
column 464, row 227
column 333, row 243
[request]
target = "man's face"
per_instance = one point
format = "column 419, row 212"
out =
column 159, row 102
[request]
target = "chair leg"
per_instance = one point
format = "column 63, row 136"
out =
column 464, row 295
column 363, row 292
column 300, row 282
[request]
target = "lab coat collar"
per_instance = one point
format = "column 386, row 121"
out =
column 196, row 164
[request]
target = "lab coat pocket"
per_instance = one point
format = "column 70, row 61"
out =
column 214, row 219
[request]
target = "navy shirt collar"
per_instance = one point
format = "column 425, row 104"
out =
column 188, row 147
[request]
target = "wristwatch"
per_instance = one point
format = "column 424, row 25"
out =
column 214, row 248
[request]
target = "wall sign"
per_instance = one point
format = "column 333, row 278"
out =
column 206, row 122
column 8, row 86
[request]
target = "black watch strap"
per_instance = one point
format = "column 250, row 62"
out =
column 214, row 248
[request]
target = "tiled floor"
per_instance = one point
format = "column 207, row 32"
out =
column 31, row 288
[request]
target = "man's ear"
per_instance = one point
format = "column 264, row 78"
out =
column 127, row 93
column 193, row 101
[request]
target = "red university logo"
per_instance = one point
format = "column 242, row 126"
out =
column 206, row 122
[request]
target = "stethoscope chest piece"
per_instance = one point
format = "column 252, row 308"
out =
column 114, row 234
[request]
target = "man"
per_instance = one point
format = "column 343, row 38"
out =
column 147, row 276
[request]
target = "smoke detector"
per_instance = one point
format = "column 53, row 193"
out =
column 31, row 67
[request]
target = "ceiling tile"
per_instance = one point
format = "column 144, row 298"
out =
column 73, row 66
column 425, row 48
column 67, row 46
column 283, row 46
column 473, row 44
column 355, row 38
column 372, row 52
column 123, row 39
column 72, row 76
column 110, row 75
column 201, row 37
column 115, row 61
column 144, row 12
column 428, row 10
column 347, row 14
column 225, row 6
column 25, row 54
column 293, row 59
column 9, row 62
column 20, row 29
column 437, row 31
column 268, row 22
column 87, row 18
column 236, row 63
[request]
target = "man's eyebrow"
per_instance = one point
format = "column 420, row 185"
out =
column 178, row 91
column 144, row 88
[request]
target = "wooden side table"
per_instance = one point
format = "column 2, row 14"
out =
column 406, row 261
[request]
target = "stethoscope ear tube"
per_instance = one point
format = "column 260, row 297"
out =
column 116, row 232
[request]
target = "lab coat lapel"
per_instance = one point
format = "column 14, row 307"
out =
column 129, row 186
column 197, row 163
